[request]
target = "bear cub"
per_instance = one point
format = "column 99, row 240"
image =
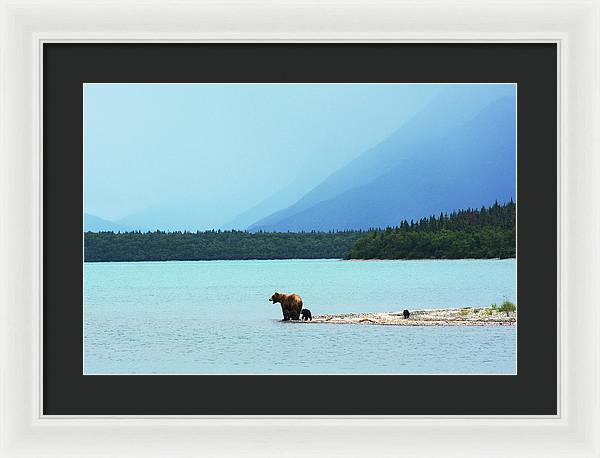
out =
column 306, row 315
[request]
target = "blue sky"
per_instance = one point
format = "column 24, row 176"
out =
column 194, row 156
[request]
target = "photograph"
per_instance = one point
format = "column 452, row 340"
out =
column 300, row 229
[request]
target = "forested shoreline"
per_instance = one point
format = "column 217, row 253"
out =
column 476, row 234
column 216, row 245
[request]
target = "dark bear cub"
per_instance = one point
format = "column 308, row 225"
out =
column 306, row 315
column 406, row 314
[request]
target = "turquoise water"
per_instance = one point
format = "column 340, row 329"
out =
column 213, row 317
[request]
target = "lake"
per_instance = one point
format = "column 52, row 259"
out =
column 213, row 317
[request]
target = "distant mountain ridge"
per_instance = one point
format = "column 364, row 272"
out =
column 447, row 156
column 93, row 223
column 265, row 207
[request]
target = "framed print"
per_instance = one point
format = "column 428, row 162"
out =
column 271, row 233
column 400, row 240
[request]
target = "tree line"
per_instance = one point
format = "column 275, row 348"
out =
column 213, row 245
column 488, row 232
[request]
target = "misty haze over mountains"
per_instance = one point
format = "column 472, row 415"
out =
column 452, row 154
column 96, row 224
column 437, row 162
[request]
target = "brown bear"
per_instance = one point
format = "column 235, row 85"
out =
column 291, row 304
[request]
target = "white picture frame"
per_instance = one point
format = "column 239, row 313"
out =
column 27, row 25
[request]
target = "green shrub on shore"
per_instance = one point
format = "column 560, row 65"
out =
column 507, row 306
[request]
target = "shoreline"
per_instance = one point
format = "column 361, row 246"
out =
column 423, row 259
column 466, row 316
column 299, row 259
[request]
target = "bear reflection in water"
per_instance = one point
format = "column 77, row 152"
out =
column 291, row 305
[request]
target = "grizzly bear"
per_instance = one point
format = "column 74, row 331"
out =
column 291, row 304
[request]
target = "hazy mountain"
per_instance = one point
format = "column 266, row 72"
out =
column 272, row 203
column 96, row 224
column 177, row 216
column 429, row 126
column 451, row 155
